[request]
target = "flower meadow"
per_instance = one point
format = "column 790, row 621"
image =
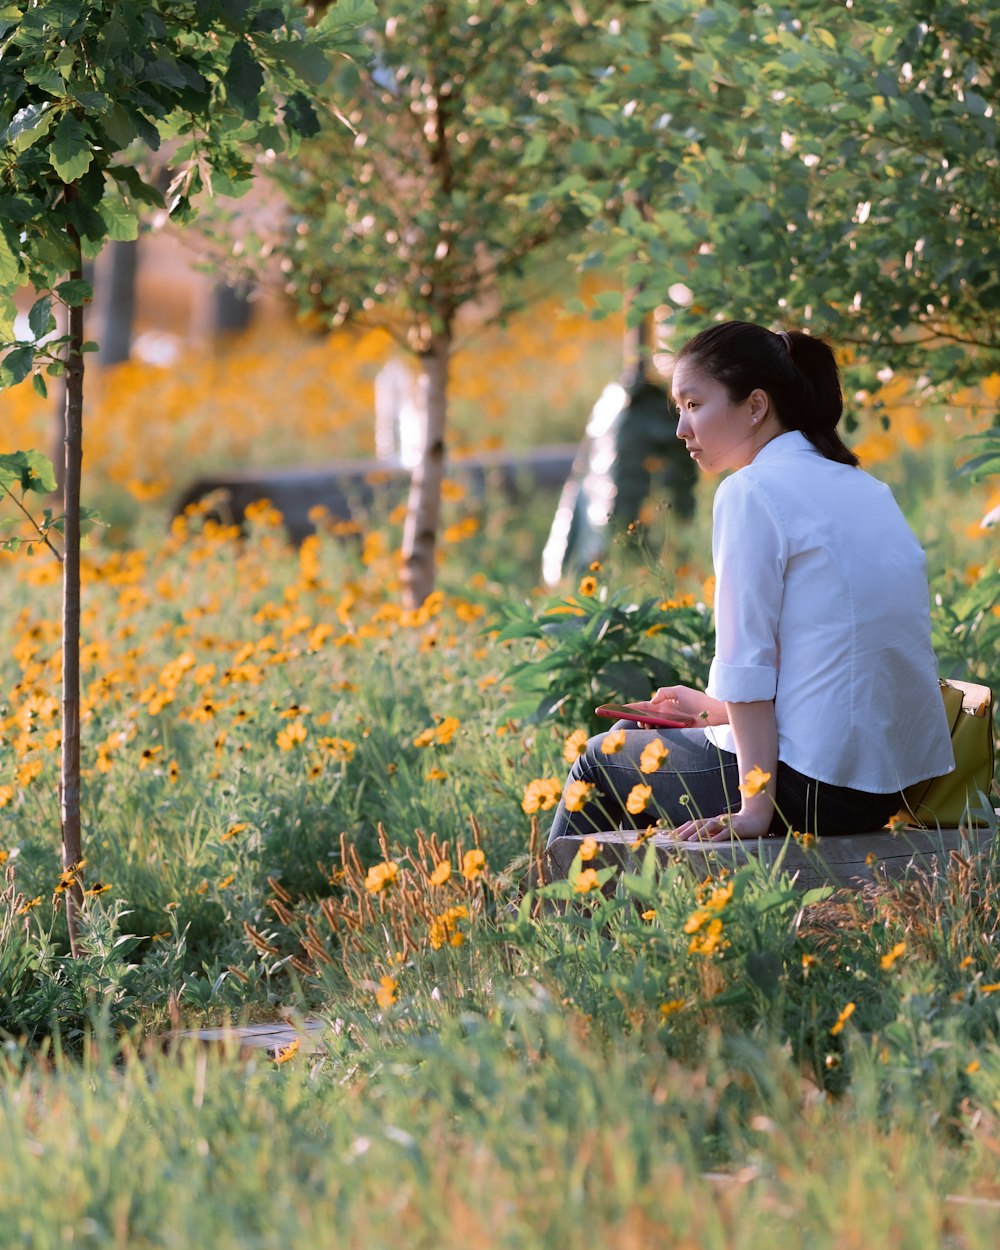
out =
column 301, row 800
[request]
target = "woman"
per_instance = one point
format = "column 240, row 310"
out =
column 824, row 681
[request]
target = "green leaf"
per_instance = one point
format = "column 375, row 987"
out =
column 244, row 80
column 10, row 268
column 307, row 59
column 30, row 470
column 75, row 292
column 70, row 151
column 121, row 220
column 40, row 319
column 17, row 364
column 28, row 126
column 38, row 382
column 300, row 116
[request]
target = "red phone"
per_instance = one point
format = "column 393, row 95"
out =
column 648, row 713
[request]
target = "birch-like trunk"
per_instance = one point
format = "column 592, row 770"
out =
column 424, row 505
column 69, row 776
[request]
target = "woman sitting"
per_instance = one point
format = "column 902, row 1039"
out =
column 822, row 701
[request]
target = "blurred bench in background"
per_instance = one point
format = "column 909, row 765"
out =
column 351, row 489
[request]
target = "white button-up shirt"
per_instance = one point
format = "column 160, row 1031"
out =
column 821, row 604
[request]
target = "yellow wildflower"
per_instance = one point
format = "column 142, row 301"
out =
column 233, row 831
column 755, row 781
column 7, row 794
column 588, row 849
column 586, row 881
column 649, row 915
column 386, row 994
column 575, row 745
column 669, row 1008
column 381, row 876
column 287, row 1052
column 638, row 798
column 576, row 794
column 473, row 863
column 444, row 928
column 653, row 755
column 588, row 586
column 708, row 940
column 541, row 794
column 226, row 882
column 292, row 736
column 441, row 873
column 435, row 774
column 842, row 1019
column 890, row 957
column 613, row 741
column 26, row 907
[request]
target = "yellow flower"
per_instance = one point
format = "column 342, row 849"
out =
column 424, row 738
column 441, row 873
column 755, row 781
column 26, row 907
column 233, row 831
column 990, row 989
column 649, row 915
column 613, row 741
column 808, row 961
column 588, row 586
column 653, row 755
column 805, row 840
column 577, row 794
column 890, row 957
column 381, row 876
column 541, row 794
column 842, row 1019
column 6, row 795
column 588, row 849
column 575, row 745
column 386, row 994
column 708, row 940
column 473, row 863
column 435, row 774
column 287, row 1052
column 638, row 798
column 668, row 1008
column 444, row 928
column 226, row 882
column 586, row 881
column 971, row 1067
column 292, row 736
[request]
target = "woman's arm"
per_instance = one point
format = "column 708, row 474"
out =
column 756, row 733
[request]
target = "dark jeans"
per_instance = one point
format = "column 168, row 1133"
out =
column 697, row 779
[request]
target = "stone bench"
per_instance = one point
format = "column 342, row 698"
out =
column 350, row 488
column 851, row 862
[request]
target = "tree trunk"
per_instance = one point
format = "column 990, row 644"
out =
column 115, row 301
column 424, row 504
column 69, row 778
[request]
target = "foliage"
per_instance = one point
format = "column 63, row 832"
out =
column 85, row 87
column 836, row 168
column 593, row 647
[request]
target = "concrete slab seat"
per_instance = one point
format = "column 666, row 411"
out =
column 851, row 862
column 349, row 488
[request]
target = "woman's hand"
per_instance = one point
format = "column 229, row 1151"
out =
column 744, row 825
column 698, row 705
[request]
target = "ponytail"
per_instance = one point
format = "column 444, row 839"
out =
column 797, row 371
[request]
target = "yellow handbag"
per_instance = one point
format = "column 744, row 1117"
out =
column 944, row 802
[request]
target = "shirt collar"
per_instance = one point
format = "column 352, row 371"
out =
column 792, row 441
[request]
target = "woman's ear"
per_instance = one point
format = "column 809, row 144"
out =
column 760, row 406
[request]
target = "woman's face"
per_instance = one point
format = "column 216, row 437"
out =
column 718, row 433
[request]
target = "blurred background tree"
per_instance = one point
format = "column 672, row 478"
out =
column 404, row 218
column 832, row 167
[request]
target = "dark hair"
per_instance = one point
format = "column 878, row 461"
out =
column 797, row 371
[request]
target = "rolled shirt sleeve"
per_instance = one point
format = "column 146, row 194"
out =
column 750, row 553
